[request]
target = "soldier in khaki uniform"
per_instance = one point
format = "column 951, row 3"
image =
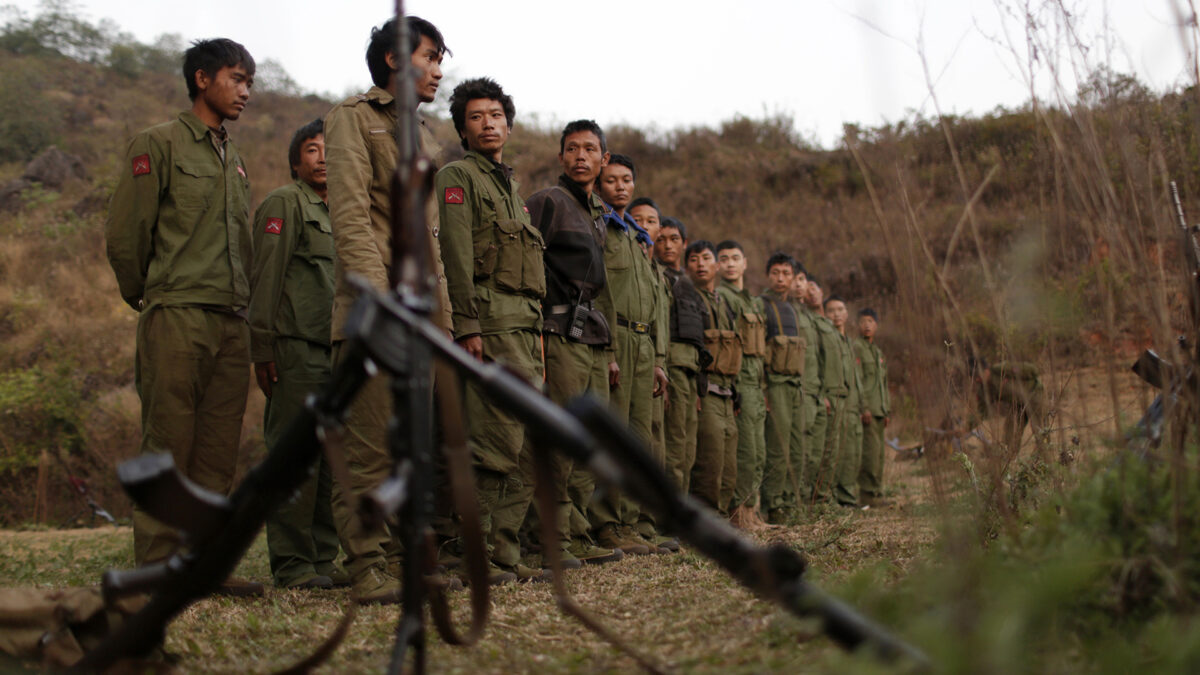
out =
column 814, row 409
column 641, row 344
column 714, row 474
column 646, row 214
column 824, row 440
column 878, row 407
column 291, row 295
column 786, row 421
column 848, row 456
column 496, row 279
column 178, row 240
column 576, row 330
column 751, row 382
column 361, row 157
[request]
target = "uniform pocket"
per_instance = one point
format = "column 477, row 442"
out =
column 317, row 242
column 194, row 183
column 754, row 334
column 518, row 267
column 785, row 355
column 726, row 348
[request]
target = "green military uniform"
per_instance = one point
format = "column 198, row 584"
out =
column 714, row 474
column 878, row 402
column 825, row 440
column 662, row 301
column 496, row 279
column 751, row 384
column 788, row 352
column 641, row 346
column 179, row 243
column 360, row 158
column 290, row 301
column 683, row 375
column 816, row 417
column 848, row 459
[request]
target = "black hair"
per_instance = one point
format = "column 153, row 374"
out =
column 867, row 311
column 623, row 160
column 729, row 243
column 311, row 130
column 582, row 125
column 675, row 223
column 698, row 246
column 798, row 268
column 477, row 88
column 211, row 56
column 780, row 258
column 812, row 280
column 833, row 298
column 383, row 40
column 646, row 201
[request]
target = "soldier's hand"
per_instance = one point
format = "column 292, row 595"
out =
column 264, row 373
column 867, row 418
column 614, row 375
column 473, row 345
column 886, row 420
column 828, row 406
column 660, row 381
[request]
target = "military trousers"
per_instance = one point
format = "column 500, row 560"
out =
column 784, row 429
column 679, row 422
column 828, row 455
column 849, row 459
column 870, row 477
column 715, row 471
column 751, row 446
column 302, row 541
column 500, row 447
column 813, row 447
column 192, row 372
column 631, row 400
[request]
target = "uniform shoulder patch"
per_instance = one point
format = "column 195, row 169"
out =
column 141, row 165
column 453, row 195
column 274, row 226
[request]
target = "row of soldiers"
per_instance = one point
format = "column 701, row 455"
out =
column 746, row 400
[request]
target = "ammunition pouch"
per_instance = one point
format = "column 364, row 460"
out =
column 785, row 355
column 726, row 349
column 510, row 254
column 753, row 330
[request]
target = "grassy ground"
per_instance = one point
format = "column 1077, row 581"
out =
column 680, row 608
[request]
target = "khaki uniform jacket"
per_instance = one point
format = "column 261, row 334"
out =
column 291, row 287
column 833, row 373
column 177, row 231
column 662, row 306
column 495, row 274
column 360, row 158
column 852, row 372
column 631, row 288
column 876, row 399
column 752, row 375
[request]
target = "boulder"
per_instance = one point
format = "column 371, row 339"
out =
column 53, row 168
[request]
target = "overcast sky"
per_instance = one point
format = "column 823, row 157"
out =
column 665, row 64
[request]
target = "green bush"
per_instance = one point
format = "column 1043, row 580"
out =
column 38, row 409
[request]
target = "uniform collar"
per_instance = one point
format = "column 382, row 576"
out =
column 198, row 128
column 378, row 94
column 770, row 293
column 740, row 291
column 488, row 165
column 309, row 193
column 625, row 224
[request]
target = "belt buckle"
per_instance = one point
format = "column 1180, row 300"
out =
column 639, row 327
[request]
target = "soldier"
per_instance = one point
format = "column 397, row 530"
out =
column 786, row 419
column 878, row 408
column 1013, row 391
column 646, row 214
column 815, row 408
column 751, row 383
column 686, row 355
column 291, row 295
column 496, row 300
column 714, row 474
column 576, row 334
column 823, row 439
column 641, row 347
column 361, row 156
column 847, row 456
column 178, row 240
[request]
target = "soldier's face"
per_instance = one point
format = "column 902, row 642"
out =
column 702, row 268
column 732, row 264
column 226, row 93
column 866, row 326
column 815, row 295
column 800, row 287
column 427, row 64
column 582, row 158
column 485, row 127
column 646, row 216
column 835, row 311
column 311, row 168
column 616, row 185
column 668, row 246
column 781, row 277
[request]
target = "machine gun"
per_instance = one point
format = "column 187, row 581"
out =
column 390, row 333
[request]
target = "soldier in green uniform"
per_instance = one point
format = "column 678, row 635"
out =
column 686, row 355
column 178, row 240
column 847, row 458
column 786, row 420
column 647, row 215
column 640, row 339
column 751, row 383
column 814, row 410
column 576, row 332
column 361, row 159
column 714, row 474
column 878, row 407
column 824, row 441
column 496, row 279
column 291, row 294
